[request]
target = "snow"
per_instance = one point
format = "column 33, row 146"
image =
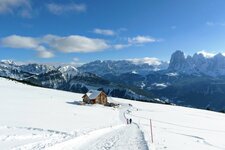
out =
column 47, row 113
column 142, row 85
column 201, row 63
column 38, row 118
column 119, row 140
column 92, row 94
column 160, row 85
column 134, row 72
column 172, row 74
column 8, row 62
column 68, row 71
column 84, row 140
column 176, row 128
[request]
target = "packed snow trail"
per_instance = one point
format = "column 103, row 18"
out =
column 128, row 137
column 121, row 137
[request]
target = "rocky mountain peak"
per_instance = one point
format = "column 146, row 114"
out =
column 177, row 61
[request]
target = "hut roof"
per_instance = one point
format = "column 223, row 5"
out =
column 93, row 94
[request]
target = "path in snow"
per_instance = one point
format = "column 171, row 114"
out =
column 129, row 137
column 121, row 137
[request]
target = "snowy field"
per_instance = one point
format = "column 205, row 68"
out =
column 34, row 118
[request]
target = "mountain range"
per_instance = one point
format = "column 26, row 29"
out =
column 198, row 64
column 194, row 81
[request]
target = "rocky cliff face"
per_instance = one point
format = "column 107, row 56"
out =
column 197, row 64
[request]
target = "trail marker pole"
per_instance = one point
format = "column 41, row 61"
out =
column 151, row 130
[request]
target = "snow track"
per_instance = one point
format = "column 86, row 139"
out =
column 127, row 138
column 122, row 137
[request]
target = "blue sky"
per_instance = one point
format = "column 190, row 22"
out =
column 82, row 31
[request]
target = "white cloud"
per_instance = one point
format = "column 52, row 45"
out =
column 146, row 60
column 76, row 62
column 45, row 54
column 75, row 43
column 15, row 41
column 206, row 54
column 58, row 9
column 104, row 32
column 19, row 7
column 121, row 46
column 136, row 41
column 45, row 45
column 141, row 40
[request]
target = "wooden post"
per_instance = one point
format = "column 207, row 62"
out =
column 151, row 130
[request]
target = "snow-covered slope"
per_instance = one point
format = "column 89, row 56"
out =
column 44, row 117
column 179, row 128
column 39, row 118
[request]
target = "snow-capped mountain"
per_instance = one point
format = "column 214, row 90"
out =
column 68, row 71
column 198, row 64
column 13, row 70
column 66, row 77
column 36, row 68
column 121, row 66
column 195, row 81
column 82, row 82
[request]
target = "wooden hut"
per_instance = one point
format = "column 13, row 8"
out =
column 95, row 97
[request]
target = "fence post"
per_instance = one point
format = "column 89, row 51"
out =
column 151, row 130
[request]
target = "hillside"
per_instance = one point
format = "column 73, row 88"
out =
column 38, row 118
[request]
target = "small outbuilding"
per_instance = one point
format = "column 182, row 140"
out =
column 95, row 97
